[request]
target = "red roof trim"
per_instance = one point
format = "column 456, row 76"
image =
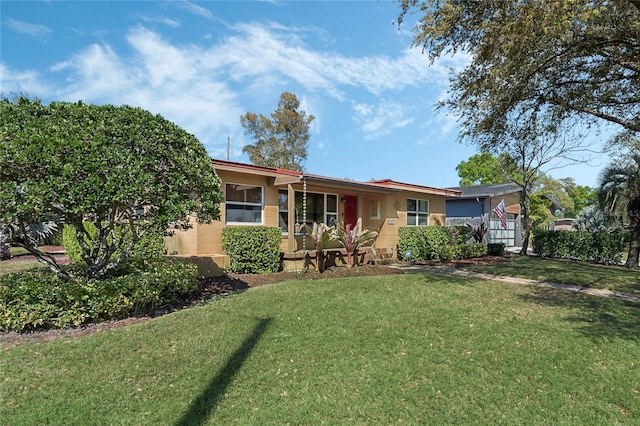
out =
column 254, row 167
column 390, row 183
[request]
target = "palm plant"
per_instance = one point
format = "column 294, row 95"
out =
column 322, row 235
column 478, row 229
column 28, row 236
column 591, row 218
column 619, row 197
column 354, row 238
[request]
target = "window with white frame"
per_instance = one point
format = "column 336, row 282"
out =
column 243, row 204
column 417, row 212
column 321, row 208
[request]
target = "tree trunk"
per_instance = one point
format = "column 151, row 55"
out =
column 634, row 241
column 525, row 203
column 320, row 260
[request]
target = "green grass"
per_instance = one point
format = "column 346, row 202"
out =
column 8, row 267
column 615, row 278
column 411, row 349
column 18, row 251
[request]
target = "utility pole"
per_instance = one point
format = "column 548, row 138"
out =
column 228, row 146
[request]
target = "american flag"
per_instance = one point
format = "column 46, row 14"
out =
column 501, row 213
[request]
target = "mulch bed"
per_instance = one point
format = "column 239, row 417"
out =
column 210, row 288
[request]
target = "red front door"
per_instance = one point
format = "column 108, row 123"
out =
column 351, row 210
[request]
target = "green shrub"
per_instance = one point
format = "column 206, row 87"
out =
column 252, row 249
column 436, row 243
column 37, row 299
column 468, row 251
column 460, row 234
column 601, row 247
column 150, row 246
column 496, row 249
column 70, row 242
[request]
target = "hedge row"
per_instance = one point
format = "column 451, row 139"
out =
column 436, row 243
column 37, row 299
column 252, row 249
column 602, row 247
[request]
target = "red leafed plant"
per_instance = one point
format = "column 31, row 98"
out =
column 354, row 238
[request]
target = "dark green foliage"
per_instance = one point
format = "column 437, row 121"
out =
column 468, row 251
column 460, row 234
column 252, row 249
column 124, row 169
column 280, row 141
column 150, row 246
column 601, row 247
column 619, row 192
column 39, row 300
column 435, row 243
column 496, row 249
column 484, row 169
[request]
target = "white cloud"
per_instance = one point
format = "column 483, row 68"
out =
column 380, row 120
column 163, row 62
column 205, row 88
column 27, row 28
column 27, row 82
column 95, row 73
column 173, row 23
column 195, row 9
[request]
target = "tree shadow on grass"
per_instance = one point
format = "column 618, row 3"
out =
column 446, row 276
column 596, row 317
column 201, row 408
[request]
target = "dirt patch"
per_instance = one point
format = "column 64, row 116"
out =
column 56, row 251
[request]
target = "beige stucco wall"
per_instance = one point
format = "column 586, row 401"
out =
column 511, row 202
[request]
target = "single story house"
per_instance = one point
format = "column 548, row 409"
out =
column 256, row 195
column 474, row 202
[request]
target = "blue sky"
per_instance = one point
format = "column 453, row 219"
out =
column 204, row 64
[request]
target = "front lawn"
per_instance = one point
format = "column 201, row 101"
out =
column 614, row 278
column 411, row 349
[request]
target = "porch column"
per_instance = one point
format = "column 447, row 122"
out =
column 291, row 218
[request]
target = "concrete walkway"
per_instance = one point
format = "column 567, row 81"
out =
column 420, row 269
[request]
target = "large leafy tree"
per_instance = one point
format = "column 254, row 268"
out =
column 128, row 172
column 482, row 169
column 619, row 195
column 580, row 195
column 280, row 141
column 551, row 62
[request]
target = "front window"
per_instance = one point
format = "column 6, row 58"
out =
column 243, row 204
column 321, row 208
column 417, row 212
column 283, row 208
